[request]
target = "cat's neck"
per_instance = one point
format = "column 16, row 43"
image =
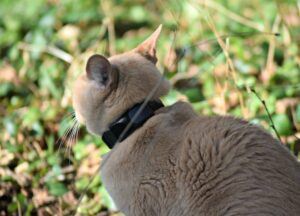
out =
column 129, row 121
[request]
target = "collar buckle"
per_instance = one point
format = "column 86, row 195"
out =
column 113, row 134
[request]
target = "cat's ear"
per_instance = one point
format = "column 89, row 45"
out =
column 99, row 69
column 148, row 47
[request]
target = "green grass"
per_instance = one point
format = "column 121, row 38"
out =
column 44, row 45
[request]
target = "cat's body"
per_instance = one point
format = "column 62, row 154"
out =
column 179, row 163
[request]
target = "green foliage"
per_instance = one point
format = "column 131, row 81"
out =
column 283, row 124
column 45, row 44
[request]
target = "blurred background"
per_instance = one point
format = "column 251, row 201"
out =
column 221, row 56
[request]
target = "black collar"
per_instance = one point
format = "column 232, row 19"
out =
column 113, row 134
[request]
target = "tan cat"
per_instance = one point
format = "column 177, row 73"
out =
column 176, row 162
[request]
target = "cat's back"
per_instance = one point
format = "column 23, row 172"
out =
column 227, row 166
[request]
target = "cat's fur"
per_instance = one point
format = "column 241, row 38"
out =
column 179, row 163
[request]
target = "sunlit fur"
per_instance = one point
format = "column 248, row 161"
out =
column 180, row 163
column 97, row 107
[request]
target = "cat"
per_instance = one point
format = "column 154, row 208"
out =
column 177, row 162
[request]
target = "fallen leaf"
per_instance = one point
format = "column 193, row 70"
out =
column 8, row 74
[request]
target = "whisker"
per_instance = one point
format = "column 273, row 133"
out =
column 69, row 138
column 74, row 139
column 65, row 135
column 77, row 133
column 68, row 115
column 67, row 126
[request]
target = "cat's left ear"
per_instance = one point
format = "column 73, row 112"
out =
column 148, row 47
column 99, row 69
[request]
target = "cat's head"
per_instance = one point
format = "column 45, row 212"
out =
column 112, row 85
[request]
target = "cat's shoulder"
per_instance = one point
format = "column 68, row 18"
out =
column 186, row 111
column 182, row 113
column 179, row 108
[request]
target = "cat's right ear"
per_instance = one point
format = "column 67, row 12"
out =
column 148, row 47
column 99, row 69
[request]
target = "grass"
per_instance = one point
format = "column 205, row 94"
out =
column 213, row 52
